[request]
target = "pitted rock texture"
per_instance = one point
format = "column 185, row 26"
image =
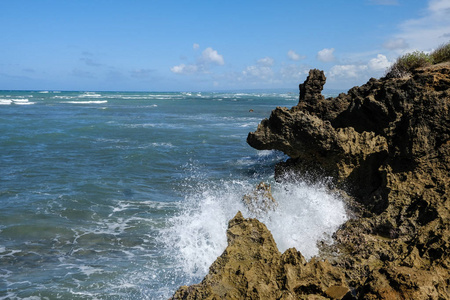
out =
column 251, row 267
column 387, row 144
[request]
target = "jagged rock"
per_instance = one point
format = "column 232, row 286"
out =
column 387, row 143
column 311, row 89
column 251, row 267
column 260, row 200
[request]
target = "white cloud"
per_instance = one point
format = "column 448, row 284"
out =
column 262, row 69
column 440, row 7
column 293, row 72
column 380, row 63
column 347, row 71
column 430, row 30
column 195, row 46
column 209, row 55
column 184, row 69
column 375, row 67
column 294, row 56
column 396, row 43
column 266, row 61
column 262, row 72
column 326, row 55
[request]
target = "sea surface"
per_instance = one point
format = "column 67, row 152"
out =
column 110, row 195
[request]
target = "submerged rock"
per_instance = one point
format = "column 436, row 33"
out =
column 251, row 267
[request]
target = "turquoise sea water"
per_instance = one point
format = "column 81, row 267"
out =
column 108, row 195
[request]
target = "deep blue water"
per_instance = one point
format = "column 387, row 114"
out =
column 111, row 195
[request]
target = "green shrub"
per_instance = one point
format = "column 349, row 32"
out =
column 441, row 54
column 405, row 64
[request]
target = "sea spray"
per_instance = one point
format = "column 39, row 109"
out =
column 197, row 235
column 305, row 214
column 101, row 186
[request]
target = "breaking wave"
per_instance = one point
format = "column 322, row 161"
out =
column 305, row 215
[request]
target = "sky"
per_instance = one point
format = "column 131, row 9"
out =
column 208, row 45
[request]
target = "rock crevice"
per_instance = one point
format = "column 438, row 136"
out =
column 386, row 144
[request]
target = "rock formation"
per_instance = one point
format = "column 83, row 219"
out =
column 251, row 267
column 386, row 145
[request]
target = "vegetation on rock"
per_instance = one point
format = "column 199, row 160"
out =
column 387, row 145
column 441, row 54
column 405, row 64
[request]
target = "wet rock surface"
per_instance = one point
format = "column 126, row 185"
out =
column 251, row 267
column 386, row 145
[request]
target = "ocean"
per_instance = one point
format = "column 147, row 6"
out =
column 120, row 195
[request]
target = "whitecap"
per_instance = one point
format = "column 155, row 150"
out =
column 5, row 102
column 22, row 102
column 86, row 102
column 89, row 95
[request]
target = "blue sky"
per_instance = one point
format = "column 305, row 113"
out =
column 150, row 45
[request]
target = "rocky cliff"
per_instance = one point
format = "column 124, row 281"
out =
column 387, row 145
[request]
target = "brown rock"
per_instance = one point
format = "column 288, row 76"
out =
column 387, row 144
column 251, row 267
column 311, row 89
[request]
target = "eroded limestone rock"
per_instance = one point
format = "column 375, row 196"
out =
column 387, row 143
column 251, row 267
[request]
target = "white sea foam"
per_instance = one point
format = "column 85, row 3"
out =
column 89, row 95
column 168, row 145
column 5, row 101
column 88, row 270
column 16, row 101
column 86, row 102
column 22, row 102
column 305, row 215
column 264, row 153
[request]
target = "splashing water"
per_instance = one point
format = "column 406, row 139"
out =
column 305, row 214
